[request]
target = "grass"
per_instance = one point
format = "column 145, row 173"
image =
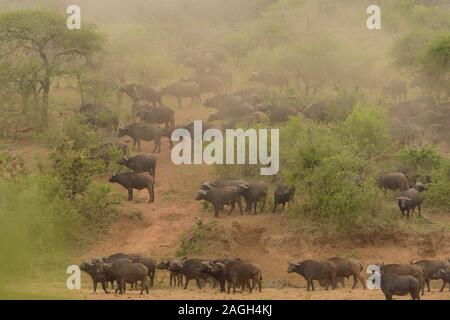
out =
column 172, row 217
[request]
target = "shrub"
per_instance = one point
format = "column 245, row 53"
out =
column 367, row 129
column 420, row 161
column 73, row 169
column 438, row 193
column 38, row 225
column 41, row 221
column 338, row 183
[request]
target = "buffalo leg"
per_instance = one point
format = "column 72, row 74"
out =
column 95, row 286
column 355, row 281
column 130, row 194
column 240, row 206
column 151, row 194
column 427, row 281
column 216, row 211
column 443, row 286
column 121, row 286
column 232, row 208
column 362, row 281
column 186, row 284
column 104, row 286
column 198, row 283
column 257, row 280
column 152, row 278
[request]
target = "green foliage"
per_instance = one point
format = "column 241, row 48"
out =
column 407, row 52
column 78, row 154
column 426, row 57
column 11, row 167
column 335, row 192
column 38, row 225
column 367, row 128
column 45, row 48
column 421, row 161
column 197, row 239
column 437, row 193
column 333, row 166
column 42, row 220
column 97, row 209
column 74, row 169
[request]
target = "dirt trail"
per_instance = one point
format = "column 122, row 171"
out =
column 266, row 294
column 156, row 228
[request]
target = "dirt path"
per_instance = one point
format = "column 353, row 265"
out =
column 156, row 228
column 266, row 294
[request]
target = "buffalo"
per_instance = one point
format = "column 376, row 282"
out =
column 184, row 89
column 126, row 271
column 315, row 270
column 146, row 132
column 406, row 269
column 132, row 180
column 253, row 193
column 443, row 274
column 219, row 197
column 399, row 285
column 408, row 200
column 283, row 195
column 431, row 268
column 191, row 269
column 140, row 163
column 237, row 272
column 393, row 181
column 175, row 277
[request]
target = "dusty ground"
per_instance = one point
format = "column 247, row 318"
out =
column 266, row 294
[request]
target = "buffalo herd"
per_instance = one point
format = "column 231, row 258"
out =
column 227, row 275
column 244, row 106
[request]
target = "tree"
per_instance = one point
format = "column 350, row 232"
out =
column 436, row 64
column 426, row 58
column 43, row 37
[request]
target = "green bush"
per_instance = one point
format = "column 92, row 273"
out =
column 38, row 225
column 41, row 220
column 438, row 192
column 367, row 129
column 336, row 179
column 420, row 161
column 73, row 169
